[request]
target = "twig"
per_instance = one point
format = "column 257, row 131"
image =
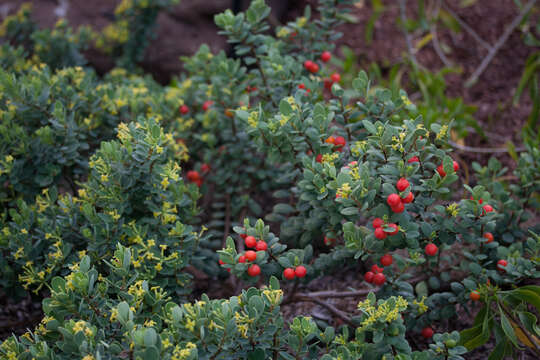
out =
column 336, row 294
column 517, row 20
column 436, row 44
column 340, row 314
column 402, row 7
column 466, row 27
column 227, row 218
column 482, row 150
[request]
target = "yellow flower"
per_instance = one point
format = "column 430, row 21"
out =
column 165, row 183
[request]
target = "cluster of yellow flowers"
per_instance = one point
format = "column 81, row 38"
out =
column 386, row 311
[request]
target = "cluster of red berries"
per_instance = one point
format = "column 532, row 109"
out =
column 290, row 273
column 441, row 171
column 334, row 78
column 194, row 176
column 379, row 231
column 397, row 203
column 252, row 243
column 376, row 276
column 486, row 208
column 338, row 142
column 302, row 86
column 311, row 66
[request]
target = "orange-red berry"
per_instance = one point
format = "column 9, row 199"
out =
column 387, row 260
column 427, row 332
column 408, row 199
column 251, row 255
column 379, row 279
column 326, row 56
column 380, row 234
column 393, row 200
column 250, row 242
column 300, row 271
column 395, row 227
column 288, row 273
column 489, row 237
column 402, row 184
column 261, row 246
column 369, row 276
column 377, row 223
column 431, row 249
column 474, row 296
column 254, row 270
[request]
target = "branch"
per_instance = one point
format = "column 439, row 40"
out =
column 517, row 20
column 340, row 314
column 402, row 7
column 466, row 27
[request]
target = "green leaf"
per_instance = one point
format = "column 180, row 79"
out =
column 507, row 328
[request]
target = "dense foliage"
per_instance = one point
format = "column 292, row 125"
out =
column 266, row 164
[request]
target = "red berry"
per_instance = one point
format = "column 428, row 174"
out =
column 261, row 246
column 369, row 276
column 242, row 259
column 254, row 270
column 327, row 84
column 431, row 249
column 489, row 237
column 193, row 175
column 379, row 279
column 184, row 109
column 313, row 68
column 251, row 255
column 250, row 242
column 199, row 182
column 339, row 141
column 402, row 184
column 207, row 104
column 205, row 167
column 376, row 269
column 301, row 86
column 387, row 260
column 380, row 234
column 408, row 199
column 288, row 273
column 413, row 159
column 441, row 171
column 427, row 332
column 501, row 264
column 377, row 223
column 243, row 236
column 318, row 158
column 393, row 200
column 326, row 56
column 300, row 271
column 474, row 295
column 335, row 77
column 330, row 140
column 399, row 208
column 220, row 262
column 329, row 241
column 487, row 208
column 456, row 166
column 395, row 227
column 480, row 201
